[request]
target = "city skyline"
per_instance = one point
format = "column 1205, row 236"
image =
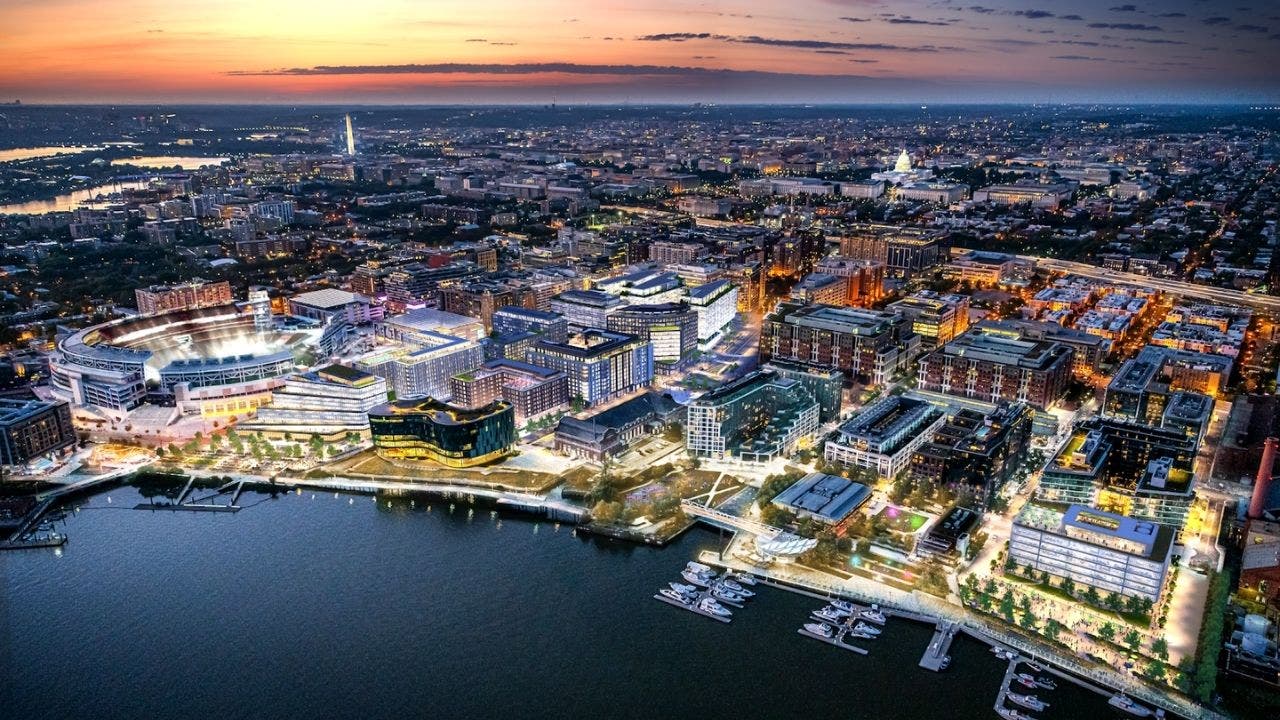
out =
column 815, row 51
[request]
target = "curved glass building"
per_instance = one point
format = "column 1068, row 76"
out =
column 427, row 429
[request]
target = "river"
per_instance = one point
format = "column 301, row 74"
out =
column 67, row 202
column 313, row 605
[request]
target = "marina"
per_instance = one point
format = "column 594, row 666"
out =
column 707, row 594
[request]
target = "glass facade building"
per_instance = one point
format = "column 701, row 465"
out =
column 428, row 429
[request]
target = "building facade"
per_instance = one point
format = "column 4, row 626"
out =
column 601, row 364
column 427, row 429
column 991, row 367
column 32, row 428
column 755, row 418
column 866, row 345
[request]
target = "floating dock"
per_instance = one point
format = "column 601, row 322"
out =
column 692, row 607
column 837, row 640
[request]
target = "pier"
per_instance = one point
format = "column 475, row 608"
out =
column 838, row 640
column 692, row 607
column 204, row 504
column 708, row 592
column 935, row 656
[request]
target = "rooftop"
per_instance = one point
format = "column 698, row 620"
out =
column 829, row 498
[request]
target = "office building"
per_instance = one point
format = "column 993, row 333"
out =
column 1141, row 389
column 1088, row 351
column 755, row 418
column 422, row 368
column 32, row 428
column 992, row 367
column 1035, row 195
column 330, row 402
column 480, row 299
column 1102, row 550
column 672, row 329
column 585, row 309
column 904, row 250
column 511, row 319
column 867, row 345
column 418, row 326
column 184, row 296
column 1133, row 469
column 864, row 279
column 984, row 268
column 883, row 435
column 427, row 429
column 601, row 364
column 937, row 318
column 716, row 305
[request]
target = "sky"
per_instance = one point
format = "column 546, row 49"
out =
column 638, row 51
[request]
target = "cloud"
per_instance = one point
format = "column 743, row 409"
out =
column 1135, row 27
column 1217, row 20
column 907, row 20
column 1076, row 57
column 1125, row 8
column 801, row 43
column 1032, row 14
column 1070, row 17
column 855, row 19
column 1155, row 41
column 1172, row 15
column 1253, row 28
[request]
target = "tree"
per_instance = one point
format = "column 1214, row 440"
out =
column 1107, row 632
column 1006, row 605
column 1161, row 648
column 159, row 452
column 1028, row 620
column 1133, row 639
column 1052, row 629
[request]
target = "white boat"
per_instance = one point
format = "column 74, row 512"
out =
column 1001, row 653
column 830, row 614
column 699, row 568
column 744, row 578
column 1122, row 702
column 1046, row 683
column 1011, row 714
column 678, row 597
column 1035, row 666
column 709, row 605
column 682, row 588
column 696, row 578
column 874, row 616
column 1030, row 702
column 945, row 662
column 821, row 629
column 844, row 606
column 1026, row 680
column 735, row 587
column 726, row 594
column 861, row 635
column 865, row 628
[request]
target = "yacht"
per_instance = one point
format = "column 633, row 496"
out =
column 865, row 628
column 710, row 606
column 1011, row 714
column 861, row 635
column 696, row 578
column 699, row 568
column 1030, row 702
column 1035, row 666
column 945, row 662
column 1122, row 702
column 820, row 629
column 682, row 588
column 745, row 578
column 735, row 587
column 724, row 593
column 844, row 606
column 873, row 615
column 1026, row 680
column 681, row 598
column 1002, row 653
column 829, row 614
column 1046, row 683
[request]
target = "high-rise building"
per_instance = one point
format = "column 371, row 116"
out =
column 330, row 402
column 1088, row 350
column 868, row 345
column 979, row 450
column 904, row 250
column 756, row 418
column 600, row 364
column 31, row 428
column 481, row 299
column 423, row 369
column 990, row 367
column 826, row 385
column 585, row 308
column 864, row 279
column 1141, row 389
column 531, row 390
column 672, row 329
column 510, row 319
column 716, row 304
column 935, row 317
column 184, row 296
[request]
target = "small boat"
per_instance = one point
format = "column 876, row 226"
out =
column 1026, row 680
column 709, row 605
column 735, row 587
column 1001, row 653
column 696, row 578
column 829, row 614
column 678, row 597
column 699, row 568
column 861, row 635
column 844, row 606
column 821, row 629
column 1011, row 714
column 1122, row 702
column 873, row 615
column 945, row 662
column 1035, row 666
column 744, row 578
column 1030, row 702
column 1046, row 683
column 682, row 588
column 865, row 628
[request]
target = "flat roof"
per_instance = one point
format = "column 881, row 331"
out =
column 827, row 497
column 327, row 298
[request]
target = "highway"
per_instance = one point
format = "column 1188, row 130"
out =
column 1265, row 303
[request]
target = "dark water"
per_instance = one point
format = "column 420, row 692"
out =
column 313, row 606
